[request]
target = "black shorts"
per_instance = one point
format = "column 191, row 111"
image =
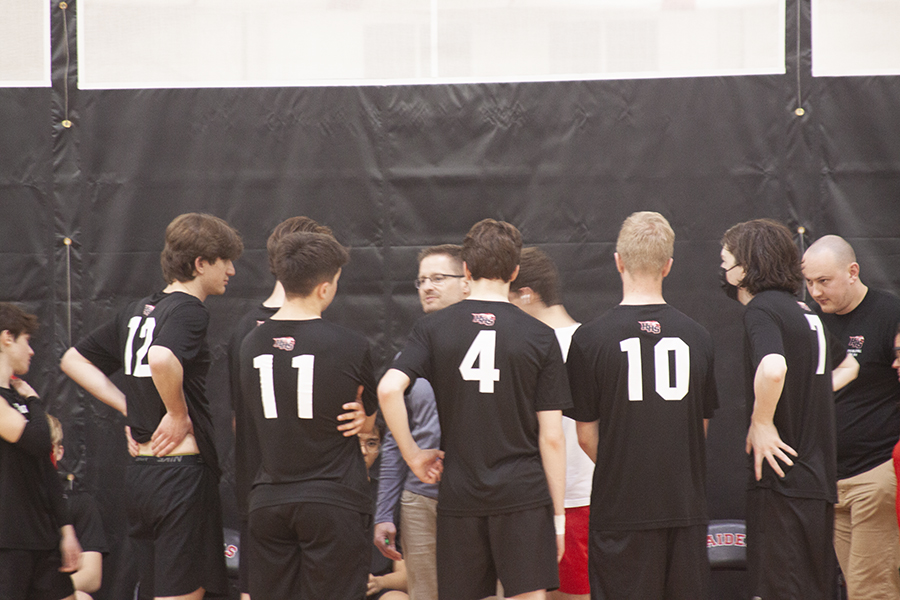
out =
column 33, row 575
column 518, row 548
column 309, row 551
column 244, row 558
column 668, row 563
column 790, row 551
column 175, row 524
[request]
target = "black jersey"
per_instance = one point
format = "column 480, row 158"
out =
column 492, row 368
column 176, row 321
column 776, row 322
column 646, row 373
column 87, row 522
column 867, row 410
column 246, row 446
column 295, row 378
column 32, row 507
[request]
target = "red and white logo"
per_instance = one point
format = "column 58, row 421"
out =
column 148, row 308
column 284, row 343
column 726, row 539
column 650, row 327
column 486, row 319
column 230, row 550
column 856, row 342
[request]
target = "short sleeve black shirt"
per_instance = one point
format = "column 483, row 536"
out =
column 867, row 410
column 776, row 322
column 295, row 378
column 646, row 374
column 176, row 321
column 492, row 368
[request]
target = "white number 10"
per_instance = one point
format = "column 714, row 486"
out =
column 304, row 365
column 664, row 387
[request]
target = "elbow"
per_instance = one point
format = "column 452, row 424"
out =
column 68, row 360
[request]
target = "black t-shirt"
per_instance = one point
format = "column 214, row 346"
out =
column 176, row 321
column 295, row 378
column 492, row 368
column 246, row 447
column 87, row 522
column 776, row 322
column 867, row 410
column 32, row 507
column 646, row 373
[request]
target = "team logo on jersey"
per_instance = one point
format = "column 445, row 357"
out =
column 21, row 408
column 804, row 306
column 230, row 550
column 284, row 343
column 650, row 327
column 148, row 308
column 726, row 539
column 856, row 342
column 486, row 319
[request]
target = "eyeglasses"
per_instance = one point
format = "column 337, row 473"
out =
column 370, row 445
column 438, row 280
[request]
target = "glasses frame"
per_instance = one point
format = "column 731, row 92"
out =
column 420, row 281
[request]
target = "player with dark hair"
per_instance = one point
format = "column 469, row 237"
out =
column 38, row 547
column 791, row 436
column 536, row 291
column 309, row 505
column 159, row 343
column 867, row 414
column 440, row 283
column 246, row 447
column 644, row 389
column 500, row 386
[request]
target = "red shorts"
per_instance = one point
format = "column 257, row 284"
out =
column 897, row 470
column 573, row 569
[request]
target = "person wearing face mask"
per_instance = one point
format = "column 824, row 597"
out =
column 791, row 437
column 867, row 414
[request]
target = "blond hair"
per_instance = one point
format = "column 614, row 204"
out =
column 646, row 242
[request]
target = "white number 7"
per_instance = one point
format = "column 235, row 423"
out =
column 482, row 350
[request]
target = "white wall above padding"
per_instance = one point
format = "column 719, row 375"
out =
column 855, row 37
column 24, row 43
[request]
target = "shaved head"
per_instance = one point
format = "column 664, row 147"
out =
column 832, row 275
column 836, row 246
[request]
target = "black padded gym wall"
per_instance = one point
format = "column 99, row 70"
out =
column 392, row 169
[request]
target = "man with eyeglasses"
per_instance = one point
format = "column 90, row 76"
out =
column 440, row 283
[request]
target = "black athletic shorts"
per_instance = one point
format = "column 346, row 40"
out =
column 244, row 558
column 790, row 551
column 33, row 575
column 309, row 551
column 175, row 524
column 518, row 548
column 667, row 564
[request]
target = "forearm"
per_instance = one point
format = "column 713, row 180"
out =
column 168, row 377
column 89, row 577
column 768, row 384
column 393, row 409
column 552, row 444
column 588, row 438
column 93, row 380
column 391, row 479
column 844, row 373
column 12, row 422
column 393, row 581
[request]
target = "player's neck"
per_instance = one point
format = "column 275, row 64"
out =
column 6, row 374
column 300, row 309
column 861, row 292
column 555, row 316
column 492, row 290
column 276, row 299
column 637, row 291
column 192, row 288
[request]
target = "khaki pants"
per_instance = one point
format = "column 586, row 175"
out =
column 866, row 537
column 418, row 526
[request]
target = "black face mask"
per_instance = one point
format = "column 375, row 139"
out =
column 731, row 290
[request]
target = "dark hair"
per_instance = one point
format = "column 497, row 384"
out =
column 766, row 251
column 16, row 321
column 538, row 272
column 454, row 251
column 304, row 260
column 292, row 225
column 196, row 235
column 491, row 250
column 380, row 427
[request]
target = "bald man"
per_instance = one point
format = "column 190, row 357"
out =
column 867, row 415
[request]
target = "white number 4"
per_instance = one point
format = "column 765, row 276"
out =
column 482, row 350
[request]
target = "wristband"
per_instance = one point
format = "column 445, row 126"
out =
column 559, row 522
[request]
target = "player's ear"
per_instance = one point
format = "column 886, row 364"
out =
column 199, row 266
column 6, row 337
column 620, row 264
column 854, row 271
column 668, row 267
